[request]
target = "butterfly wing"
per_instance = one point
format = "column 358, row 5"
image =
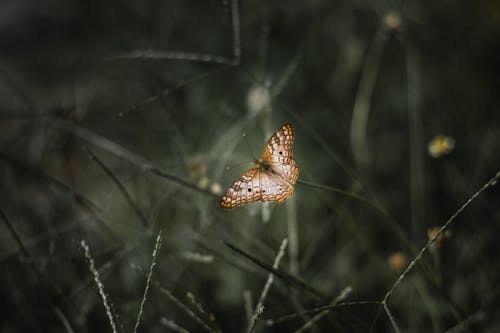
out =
column 278, row 154
column 274, row 187
column 254, row 185
column 245, row 189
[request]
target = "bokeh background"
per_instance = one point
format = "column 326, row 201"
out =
column 120, row 119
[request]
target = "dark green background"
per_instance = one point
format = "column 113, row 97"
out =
column 68, row 84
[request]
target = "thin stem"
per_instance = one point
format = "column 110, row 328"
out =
column 443, row 228
column 286, row 277
column 100, row 285
column 343, row 294
column 176, row 301
column 120, row 186
column 362, row 102
column 293, row 236
column 259, row 308
column 282, row 319
column 148, row 281
column 391, row 318
column 15, row 234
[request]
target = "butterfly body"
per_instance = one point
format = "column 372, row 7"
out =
column 273, row 176
column 263, row 165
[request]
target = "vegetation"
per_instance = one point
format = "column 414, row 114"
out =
column 122, row 123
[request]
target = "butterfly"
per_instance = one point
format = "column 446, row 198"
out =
column 273, row 176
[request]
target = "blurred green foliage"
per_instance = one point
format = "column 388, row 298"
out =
column 119, row 119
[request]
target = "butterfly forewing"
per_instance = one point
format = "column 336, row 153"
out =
column 272, row 179
column 278, row 153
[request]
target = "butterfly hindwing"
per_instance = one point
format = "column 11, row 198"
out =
column 274, row 188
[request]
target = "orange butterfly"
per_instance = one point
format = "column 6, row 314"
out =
column 273, row 176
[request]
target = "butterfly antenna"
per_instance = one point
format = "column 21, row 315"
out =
column 249, row 148
column 228, row 167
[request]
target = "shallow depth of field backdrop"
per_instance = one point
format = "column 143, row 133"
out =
column 122, row 122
